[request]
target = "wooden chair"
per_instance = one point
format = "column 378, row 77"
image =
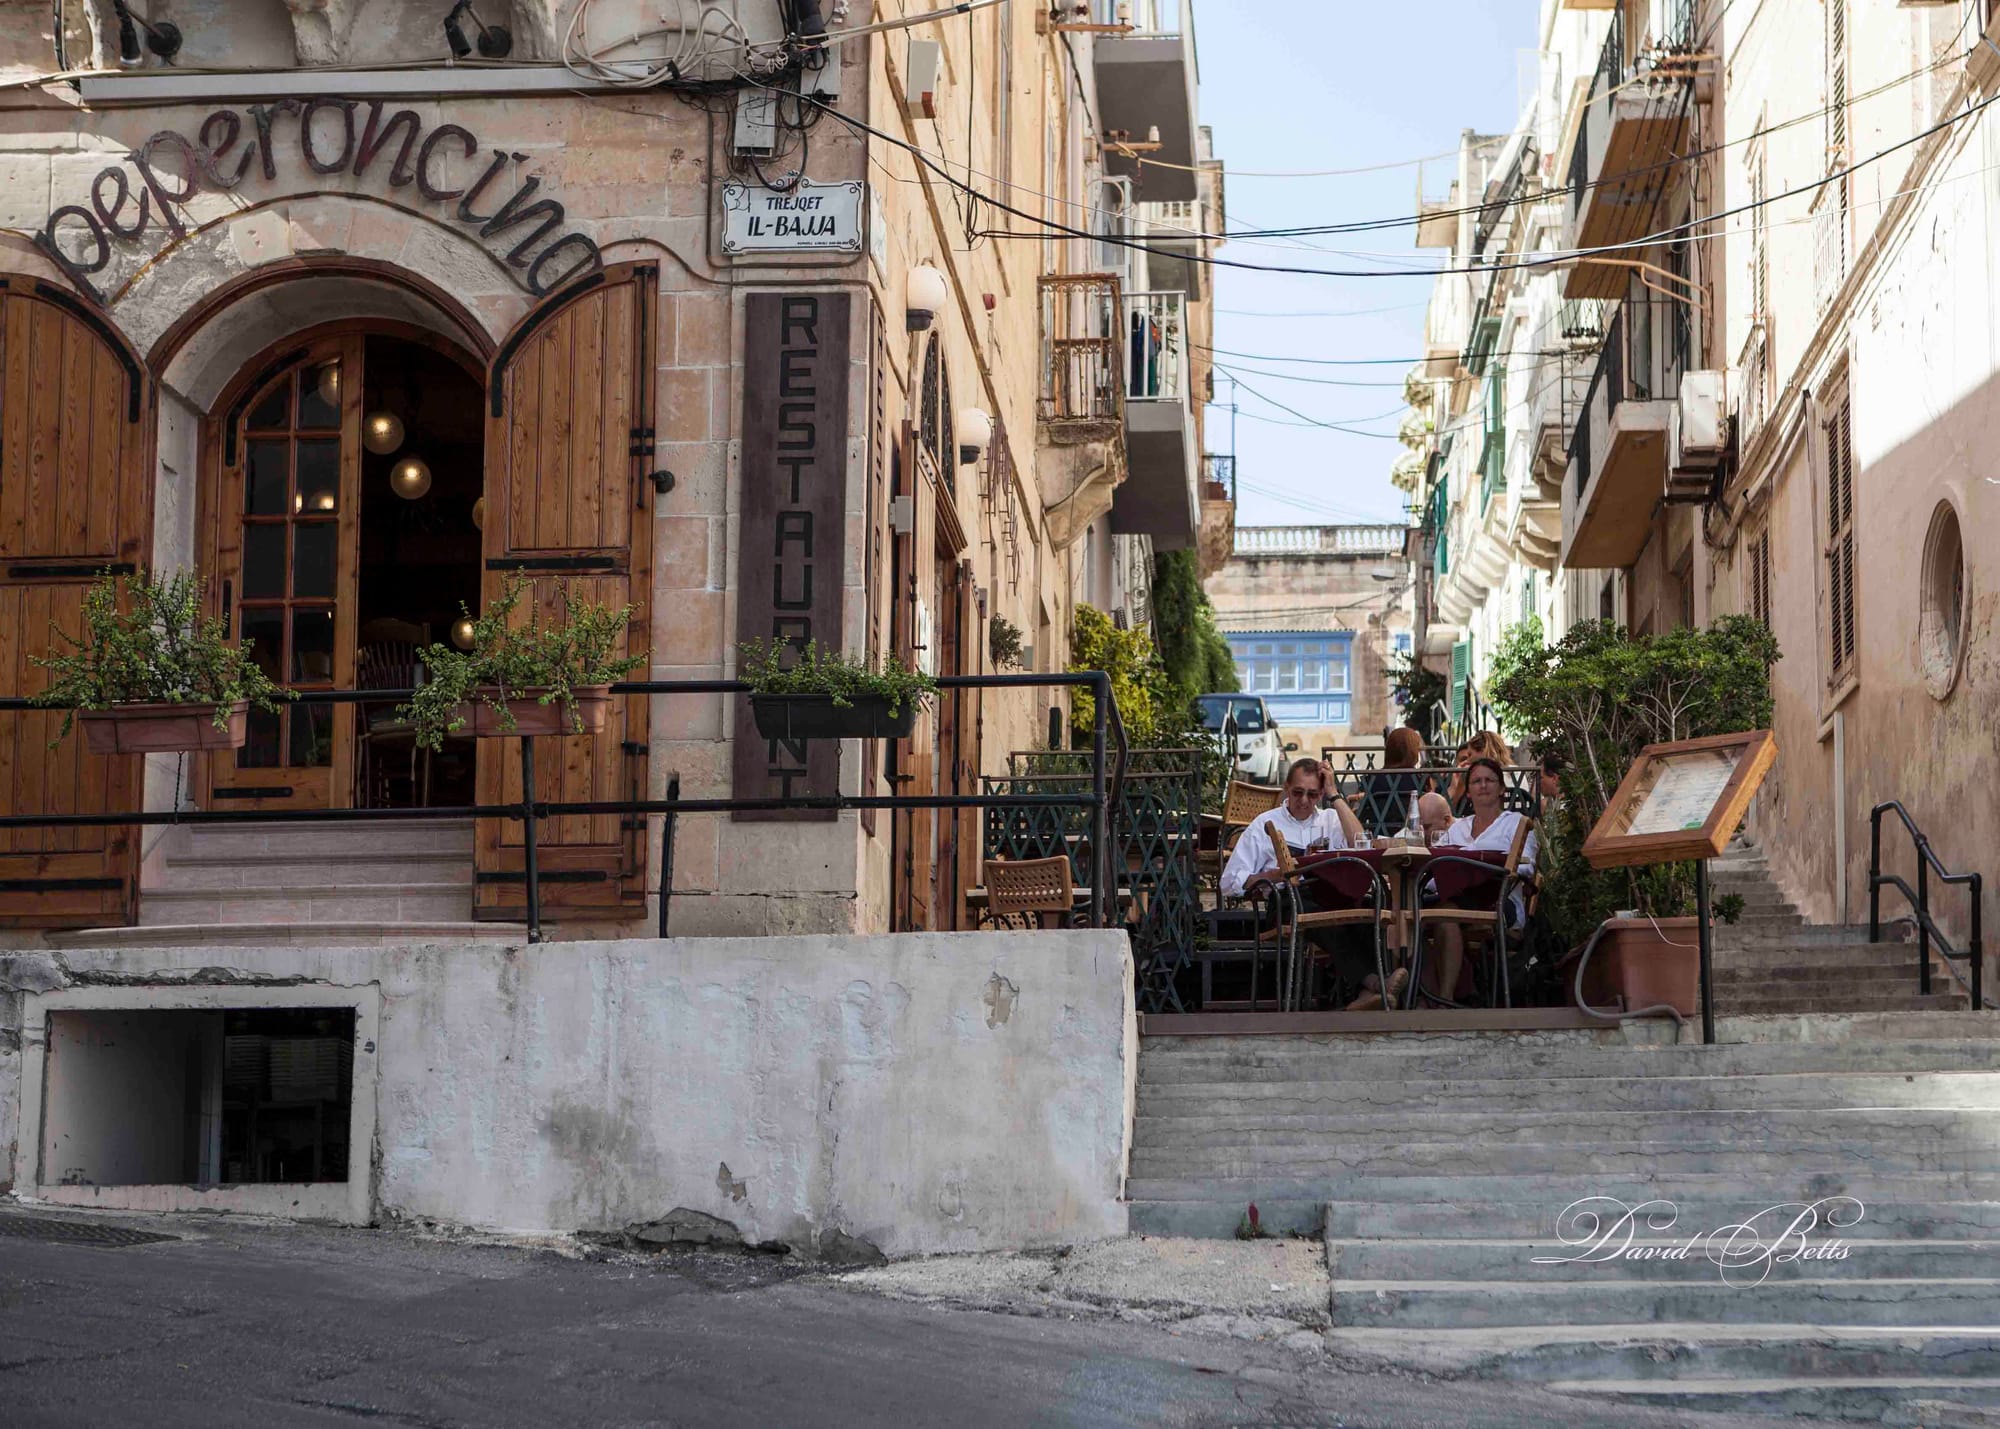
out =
column 1490, row 921
column 389, row 665
column 1292, row 920
column 1240, row 805
column 1037, row 888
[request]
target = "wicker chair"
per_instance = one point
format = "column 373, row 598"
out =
column 1243, row 803
column 1036, row 889
column 1298, row 968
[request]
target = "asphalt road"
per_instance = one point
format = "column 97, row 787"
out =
column 233, row 1323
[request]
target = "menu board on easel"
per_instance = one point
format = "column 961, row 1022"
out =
column 1681, row 801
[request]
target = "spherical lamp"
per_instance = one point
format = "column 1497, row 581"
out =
column 381, row 432
column 479, row 514
column 924, row 297
column 328, row 382
column 975, row 434
column 325, row 501
column 461, row 634
column 410, row 478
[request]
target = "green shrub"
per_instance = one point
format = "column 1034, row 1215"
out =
column 549, row 660
column 146, row 641
column 1599, row 696
column 777, row 667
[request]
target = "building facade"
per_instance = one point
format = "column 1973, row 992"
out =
column 1313, row 616
column 706, row 322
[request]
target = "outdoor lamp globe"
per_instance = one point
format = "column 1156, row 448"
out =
column 975, row 434
column 924, row 295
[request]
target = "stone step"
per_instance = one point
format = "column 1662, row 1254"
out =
column 1751, row 1004
column 1942, row 1220
column 1392, row 1103
column 330, row 935
column 1679, row 1352
column 1464, row 1304
column 383, row 903
column 1821, row 935
column 1865, row 1400
column 377, row 838
column 1882, row 973
column 1219, row 1220
column 1903, row 1028
column 1288, row 1059
column 1922, row 1413
column 1909, row 1125
column 1554, row 1190
column 210, row 873
column 1753, row 1159
column 1548, row 1261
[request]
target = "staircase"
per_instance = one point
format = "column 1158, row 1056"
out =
column 1436, row 1167
column 372, row 883
column 1772, row 961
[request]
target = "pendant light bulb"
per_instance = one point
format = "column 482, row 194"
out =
column 382, row 432
column 410, row 478
column 461, row 634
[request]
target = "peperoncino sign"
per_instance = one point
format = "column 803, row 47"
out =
column 328, row 135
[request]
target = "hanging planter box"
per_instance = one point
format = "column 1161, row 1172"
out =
column 533, row 718
column 163, row 728
column 1639, row 966
column 796, row 717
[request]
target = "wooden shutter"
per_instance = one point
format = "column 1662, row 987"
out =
column 1840, row 572
column 569, row 444
column 1461, row 675
column 1760, row 577
column 75, row 499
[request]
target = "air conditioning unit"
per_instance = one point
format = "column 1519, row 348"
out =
column 1700, row 435
column 920, row 78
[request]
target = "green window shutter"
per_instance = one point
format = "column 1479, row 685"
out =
column 1461, row 676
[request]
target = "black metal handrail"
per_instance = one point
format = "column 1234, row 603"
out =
column 1919, row 898
column 1108, row 728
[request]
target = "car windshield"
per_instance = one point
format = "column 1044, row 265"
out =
column 1216, row 708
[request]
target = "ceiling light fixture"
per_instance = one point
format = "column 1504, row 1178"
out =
column 382, row 432
column 410, row 478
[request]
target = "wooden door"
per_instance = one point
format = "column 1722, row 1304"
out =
column 914, row 858
column 281, row 528
column 966, row 762
column 75, row 500
column 947, row 902
column 569, row 439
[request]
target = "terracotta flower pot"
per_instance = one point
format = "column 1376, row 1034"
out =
column 163, row 728
column 532, row 717
column 1637, row 967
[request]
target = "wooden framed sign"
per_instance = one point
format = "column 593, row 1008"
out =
column 1680, row 801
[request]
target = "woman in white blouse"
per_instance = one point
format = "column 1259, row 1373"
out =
column 1309, row 822
column 1492, row 826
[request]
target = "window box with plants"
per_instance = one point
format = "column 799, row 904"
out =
column 150, row 674
column 534, row 677
column 822, row 694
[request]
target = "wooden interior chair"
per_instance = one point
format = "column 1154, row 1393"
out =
column 1031, row 888
column 1489, row 922
column 389, row 665
column 1298, row 967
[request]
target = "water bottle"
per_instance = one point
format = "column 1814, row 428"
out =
column 1412, row 831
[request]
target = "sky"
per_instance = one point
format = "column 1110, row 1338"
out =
column 1291, row 86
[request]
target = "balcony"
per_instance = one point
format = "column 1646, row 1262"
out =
column 1080, row 403
column 1625, row 160
column 1619, row 452
column 1159, row 495
column 1174, row 248
column 1146, row 81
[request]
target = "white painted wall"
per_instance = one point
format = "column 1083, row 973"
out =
column 944, row 1092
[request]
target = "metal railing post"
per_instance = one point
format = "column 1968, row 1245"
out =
column 1924, row 922
column 1707, row 951
column 1875, row 875
column 1978, row 947
column 1100, row 804
column 668, row 822
column 530, row 872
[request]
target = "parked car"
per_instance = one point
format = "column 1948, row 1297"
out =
column 1262, row 756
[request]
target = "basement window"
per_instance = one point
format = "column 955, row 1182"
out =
column 202, row 1097
column 1939, row 625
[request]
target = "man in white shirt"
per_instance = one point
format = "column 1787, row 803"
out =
column 1308, row 820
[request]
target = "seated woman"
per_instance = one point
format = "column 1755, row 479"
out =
column 1483, row 745
column 1386, row 793
column 1492, row 826
column 1309, row 822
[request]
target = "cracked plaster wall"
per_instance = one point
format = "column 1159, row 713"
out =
column 942, row 1092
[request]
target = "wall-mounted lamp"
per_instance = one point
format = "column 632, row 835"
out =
column 975, row 434
column 163, row 39
column 495, row 41
column 924, row 295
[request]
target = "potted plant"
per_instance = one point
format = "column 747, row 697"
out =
column 811, row 692
column 151, row 674
column 531, row 677
column 1597, row 698
column 1004, row 642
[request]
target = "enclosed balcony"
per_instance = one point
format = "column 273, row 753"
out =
column 1083, row 373
column 1159, row 497
column 1625, row 161
column 1145, row 70
column 1619, row 451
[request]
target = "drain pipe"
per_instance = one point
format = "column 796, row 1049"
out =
column 1840, row 809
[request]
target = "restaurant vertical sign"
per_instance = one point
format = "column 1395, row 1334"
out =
column 792, row 547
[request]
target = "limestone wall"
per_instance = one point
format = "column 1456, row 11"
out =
column 946, row 1092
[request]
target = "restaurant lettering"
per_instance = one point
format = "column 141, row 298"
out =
column 329, row 136
column 793, row 547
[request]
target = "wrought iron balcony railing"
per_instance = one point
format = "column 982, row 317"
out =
column 1083, row 366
